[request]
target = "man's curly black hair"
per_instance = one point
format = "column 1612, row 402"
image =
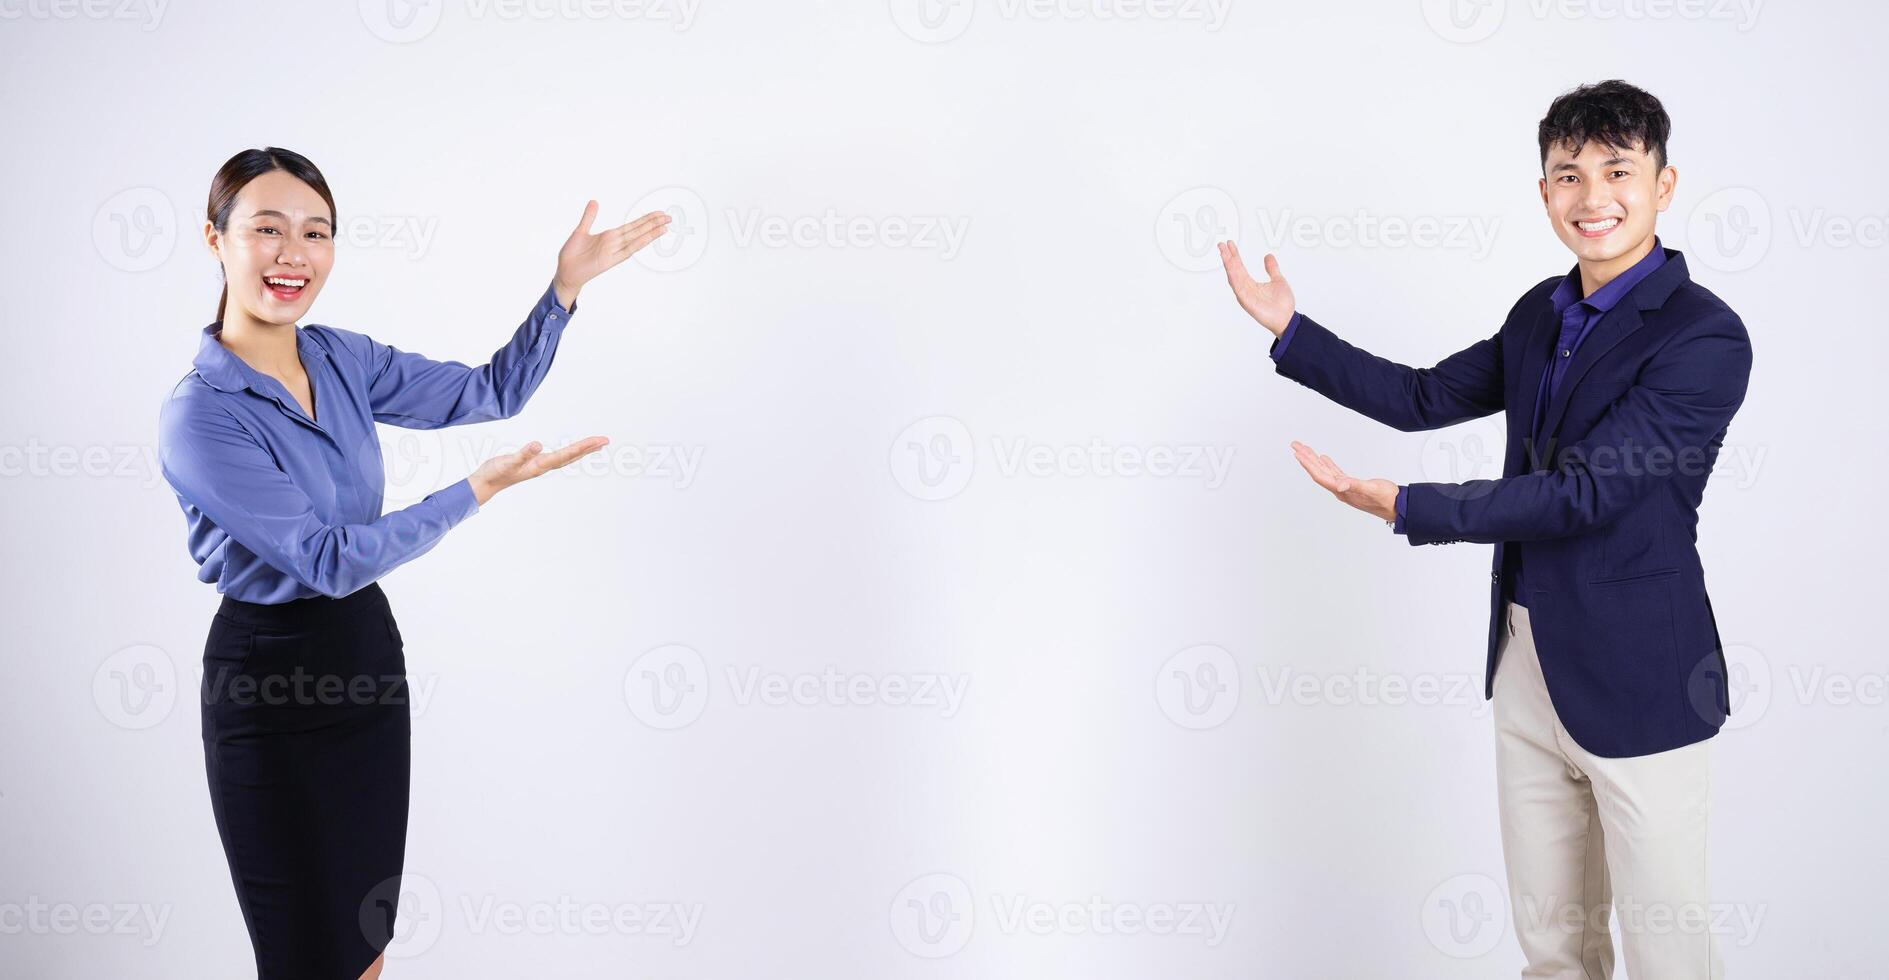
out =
column 1612, row 113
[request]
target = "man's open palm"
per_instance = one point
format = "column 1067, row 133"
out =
column 1377, row 497
column 1269, row 302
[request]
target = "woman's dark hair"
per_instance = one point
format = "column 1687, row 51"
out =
column 239, row 170
column 1613, row 113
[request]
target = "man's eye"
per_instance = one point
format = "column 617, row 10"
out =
column 1567, row 178
column 317, row 234
column 1620, row 173
column 267, row 229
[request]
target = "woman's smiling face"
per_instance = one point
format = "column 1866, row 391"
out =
column 277, row 249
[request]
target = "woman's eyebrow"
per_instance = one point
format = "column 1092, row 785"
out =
column 284, row 217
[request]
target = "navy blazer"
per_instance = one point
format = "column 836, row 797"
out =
column 1606, row 497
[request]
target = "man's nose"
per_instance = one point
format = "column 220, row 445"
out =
column 1596, row 199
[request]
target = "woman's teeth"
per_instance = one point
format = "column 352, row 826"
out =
column 284, row 287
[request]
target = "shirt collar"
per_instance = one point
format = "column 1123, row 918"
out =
column 1569, row 291
column 224, row 371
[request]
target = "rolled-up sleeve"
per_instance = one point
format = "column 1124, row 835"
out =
column 417, row 392
column 218, row 466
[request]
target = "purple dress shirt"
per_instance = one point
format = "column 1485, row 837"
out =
column 280, row 506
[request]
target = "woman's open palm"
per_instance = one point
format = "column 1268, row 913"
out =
column 505, row 470
column 585, row 256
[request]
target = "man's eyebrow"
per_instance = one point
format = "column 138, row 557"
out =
column 1570, row 165
column 284, row 217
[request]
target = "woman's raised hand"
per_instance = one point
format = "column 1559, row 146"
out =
column 502, row 471
column 585, row 256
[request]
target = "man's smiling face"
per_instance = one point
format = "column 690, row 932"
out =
column 1603, row 200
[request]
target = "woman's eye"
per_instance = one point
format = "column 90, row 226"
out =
column 266, row 228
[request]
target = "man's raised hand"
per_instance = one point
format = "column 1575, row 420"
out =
column 1269, row 302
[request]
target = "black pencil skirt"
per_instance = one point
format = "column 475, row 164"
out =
column 305, row 738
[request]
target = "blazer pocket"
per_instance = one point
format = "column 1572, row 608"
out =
column 1600, row 392
column 1636, row 577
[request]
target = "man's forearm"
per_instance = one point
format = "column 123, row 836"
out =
column 1466, row 385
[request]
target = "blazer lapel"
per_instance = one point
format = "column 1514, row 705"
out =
column 1614, row 326
column 1617, row 325
column 1534, row 357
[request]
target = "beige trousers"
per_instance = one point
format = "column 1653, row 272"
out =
column 1596, row 845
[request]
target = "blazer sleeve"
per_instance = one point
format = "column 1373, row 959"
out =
column 1685, row 398
column 417, row 392
column 1466, row 385
column 215, row 464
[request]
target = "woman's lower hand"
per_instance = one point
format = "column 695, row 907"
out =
column 505, row 470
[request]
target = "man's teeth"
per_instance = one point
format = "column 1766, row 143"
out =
column 279, row 281
column 1602, row 225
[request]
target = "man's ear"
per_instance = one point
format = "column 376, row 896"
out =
column 1541, row 184
column 1668, row 180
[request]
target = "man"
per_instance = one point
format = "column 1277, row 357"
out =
column 1618, row 382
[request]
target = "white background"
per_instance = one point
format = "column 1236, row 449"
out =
column 1344, row 824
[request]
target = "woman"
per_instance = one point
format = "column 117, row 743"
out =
column 269, row 444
